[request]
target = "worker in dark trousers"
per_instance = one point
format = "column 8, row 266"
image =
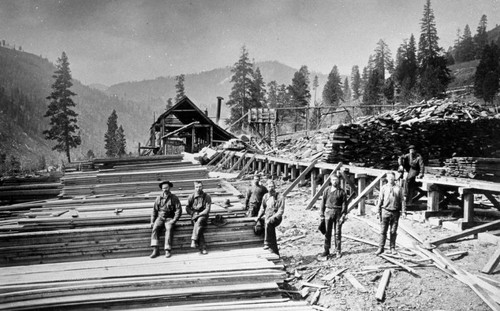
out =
column 333, row 210
column 272, row 209
column 389, row 208
column 166, row 211
column 254, row 196
column 198, row 206
column 413, row 163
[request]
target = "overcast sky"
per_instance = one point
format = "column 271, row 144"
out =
column 115, row 41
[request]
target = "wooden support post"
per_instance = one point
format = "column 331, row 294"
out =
column 302, row 177
column 273, row 168
column 361, row 186
column 224, row 158
column 244, row 169
column 433, row 197
column 383, row 284
column 492, row 263
column 278, row 169
column 237, row 162
column 296, row 181
column 259, row 165
column 314, row 175
column 193, row 139
column 365, row 192
column 294, row 172
column 223, row 163
column 286, row 171
column 323, row 187
column 353, row 187
column 468, row 201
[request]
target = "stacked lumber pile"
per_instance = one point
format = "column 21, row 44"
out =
column 440, row 129
column 29, row 188
column 128, row 180
column 111, row 162
column 230, row 280
column 478, row 168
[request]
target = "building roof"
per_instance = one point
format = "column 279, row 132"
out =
column 187, row 112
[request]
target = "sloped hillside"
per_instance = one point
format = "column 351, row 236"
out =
column 25, row 81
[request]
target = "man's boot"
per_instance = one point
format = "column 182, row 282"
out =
column 392, row 243
column 325, row 253
column 379, row 251
column 155, row 253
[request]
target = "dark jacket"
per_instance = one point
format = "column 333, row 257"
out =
column 167, row 207
column 336, row 199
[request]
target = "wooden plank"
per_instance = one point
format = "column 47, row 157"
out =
column 367, row 190
column 360, row 240
column 215, row 158
column 355, row 282
column 492, row 263
column 323, row 187
column 379, row 295
column 297, row 180
column 475, row 230
column 331, row 276
column 237, row 162
column 492, row 199
column 402, row 265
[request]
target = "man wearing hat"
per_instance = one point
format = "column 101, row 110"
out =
column 198, row 206
column 254, row 196
column 413, row 163
column 272, row 209
column 166, row 211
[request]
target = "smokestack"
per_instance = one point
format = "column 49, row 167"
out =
column 219, row 104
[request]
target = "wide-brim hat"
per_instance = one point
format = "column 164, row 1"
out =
column 165, row 182
column 411, row 147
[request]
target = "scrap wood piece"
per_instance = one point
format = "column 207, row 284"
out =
column 312, row 275
column 492, row 263
column 402, row 265
column 59, row 213
column 297, row 180
column 355, row 282
column 315, row 297
column 456, row 254
column 475, row 230
column 331, row 276
column 307, row 284
column 304, row 292
column 379, row 295
column 293, row 238
column 323, row 187
column 360, row 240
column 320, row 308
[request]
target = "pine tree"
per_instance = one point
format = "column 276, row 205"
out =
column 239, row 99
column 179, row 87
column 481, row 37
column 110, row 143
column 257, row 90
column 433, row 75
column 466, row 50
column 383, row 59
column 121, row 143
column 169, row 103
column 346, row 90
column 299, row 94
column 405, row 73
column 488, row 73
column 62, row 116
column 90, row 155
column 332, row 92
column 272, row 94
column 355, row 82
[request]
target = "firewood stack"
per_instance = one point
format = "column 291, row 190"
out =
column 478, row 168
column 440, row 129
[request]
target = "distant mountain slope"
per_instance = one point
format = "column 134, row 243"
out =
column 204, row 87
column 25, row 82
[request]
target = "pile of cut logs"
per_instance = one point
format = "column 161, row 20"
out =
column 440, row 129
column 478, row 168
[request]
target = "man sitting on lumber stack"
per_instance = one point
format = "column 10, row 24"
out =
column 272, row 209
column 389, row 207
column 166, row 211
column 198, row 206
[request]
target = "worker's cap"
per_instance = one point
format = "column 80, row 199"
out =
column 411, row 147
column 256, row 176
column 165, row 182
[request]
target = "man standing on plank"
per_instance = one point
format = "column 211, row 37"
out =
column 272, row 209
column 333, row 210
column 413, row 163
column 389, row 207
column 198, row 206
column 166, row 211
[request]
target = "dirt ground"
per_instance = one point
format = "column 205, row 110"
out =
column 432, row 289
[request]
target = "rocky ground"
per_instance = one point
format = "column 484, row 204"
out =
column 431, row 289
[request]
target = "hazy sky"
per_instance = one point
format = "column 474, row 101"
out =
column 115, row 41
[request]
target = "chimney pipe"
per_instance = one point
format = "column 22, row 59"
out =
column 219, row 104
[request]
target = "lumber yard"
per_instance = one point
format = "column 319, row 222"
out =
column 86, row 245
